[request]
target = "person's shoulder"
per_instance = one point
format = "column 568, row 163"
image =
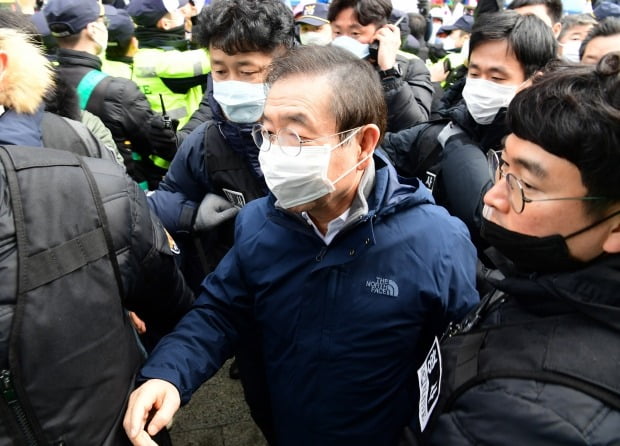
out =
column 527, row 412
column 195, row 141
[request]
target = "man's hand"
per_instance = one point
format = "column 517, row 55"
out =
column 163, row 136
column 438, row 72
column 389, row 44
column 156, row 398
column 213, row 211
column 137, row 323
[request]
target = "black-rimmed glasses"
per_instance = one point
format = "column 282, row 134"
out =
column 514, row 186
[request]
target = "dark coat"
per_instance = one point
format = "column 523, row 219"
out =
column 528, row 412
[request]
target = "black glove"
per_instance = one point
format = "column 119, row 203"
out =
column 163, row 136
column 213, row 211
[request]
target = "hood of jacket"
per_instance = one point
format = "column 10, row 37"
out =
column 392, row 193
column 21, row 128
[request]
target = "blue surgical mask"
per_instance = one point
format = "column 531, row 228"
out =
column 241, row 102
column 353, row 46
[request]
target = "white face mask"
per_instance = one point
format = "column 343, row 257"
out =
column 448, row 43
column 241, row 102
column 353, row 46
column 570, row 50
column 314, row 38
column 101, row 37
column 465, row 48
column 484, row 98
column 301, row 179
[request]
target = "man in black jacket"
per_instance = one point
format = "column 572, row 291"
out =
column 537, row 362
column 146, row 140
column 78, row 249
column 505, row 50
column 361, row 26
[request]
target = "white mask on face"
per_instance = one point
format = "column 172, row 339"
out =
column 301, row 179
column 100, row 37
column 448, row 43
column 353, row 46
column 465, row 48
column 570, row 50
column 314, row 38
column 484, row 98
column 241, row 102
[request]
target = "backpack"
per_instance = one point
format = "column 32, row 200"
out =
column 51, row 260
column 415, row 152
column 58, row 132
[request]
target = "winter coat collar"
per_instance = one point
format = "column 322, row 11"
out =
column 592, row 290
column 73, row 57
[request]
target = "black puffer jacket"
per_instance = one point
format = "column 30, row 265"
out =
column 125, row 111
column 511, row 411
column 65, row 336
column 409, row 97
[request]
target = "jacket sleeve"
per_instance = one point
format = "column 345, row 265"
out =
column 398, row 147
column 157, row 293
column 409, row 98
column 206, row 336
column 176, row 199
column 465, row 179
column 130, row 112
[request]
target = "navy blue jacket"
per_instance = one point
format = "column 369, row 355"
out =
column 343, row 327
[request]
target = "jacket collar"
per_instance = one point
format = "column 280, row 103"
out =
column 82, row 58
column 592, row 290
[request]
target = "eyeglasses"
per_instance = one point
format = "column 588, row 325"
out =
column 287, row 140
column 514, row 186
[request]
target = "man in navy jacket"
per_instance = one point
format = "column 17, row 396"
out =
column 346, row 274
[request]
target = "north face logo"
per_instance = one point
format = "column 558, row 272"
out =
column 386, row 287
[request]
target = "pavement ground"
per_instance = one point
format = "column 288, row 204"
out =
column 217, row 415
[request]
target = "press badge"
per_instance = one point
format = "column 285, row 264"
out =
column 236, row 198
column 429, row 380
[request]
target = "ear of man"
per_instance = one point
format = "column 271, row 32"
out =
column 368, row 139
column 611, row 245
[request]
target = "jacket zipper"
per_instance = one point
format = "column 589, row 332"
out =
column 10, row 396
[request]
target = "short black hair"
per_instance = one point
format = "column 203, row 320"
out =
column 417, row 25
column 569, row 21
column 354, row 88
column 553, row 7
column 530, row 39
column 239, row 26
column 574, row 113
column 368, row 12
column 609, row 26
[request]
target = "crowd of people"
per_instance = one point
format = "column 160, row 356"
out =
column 403, row 224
